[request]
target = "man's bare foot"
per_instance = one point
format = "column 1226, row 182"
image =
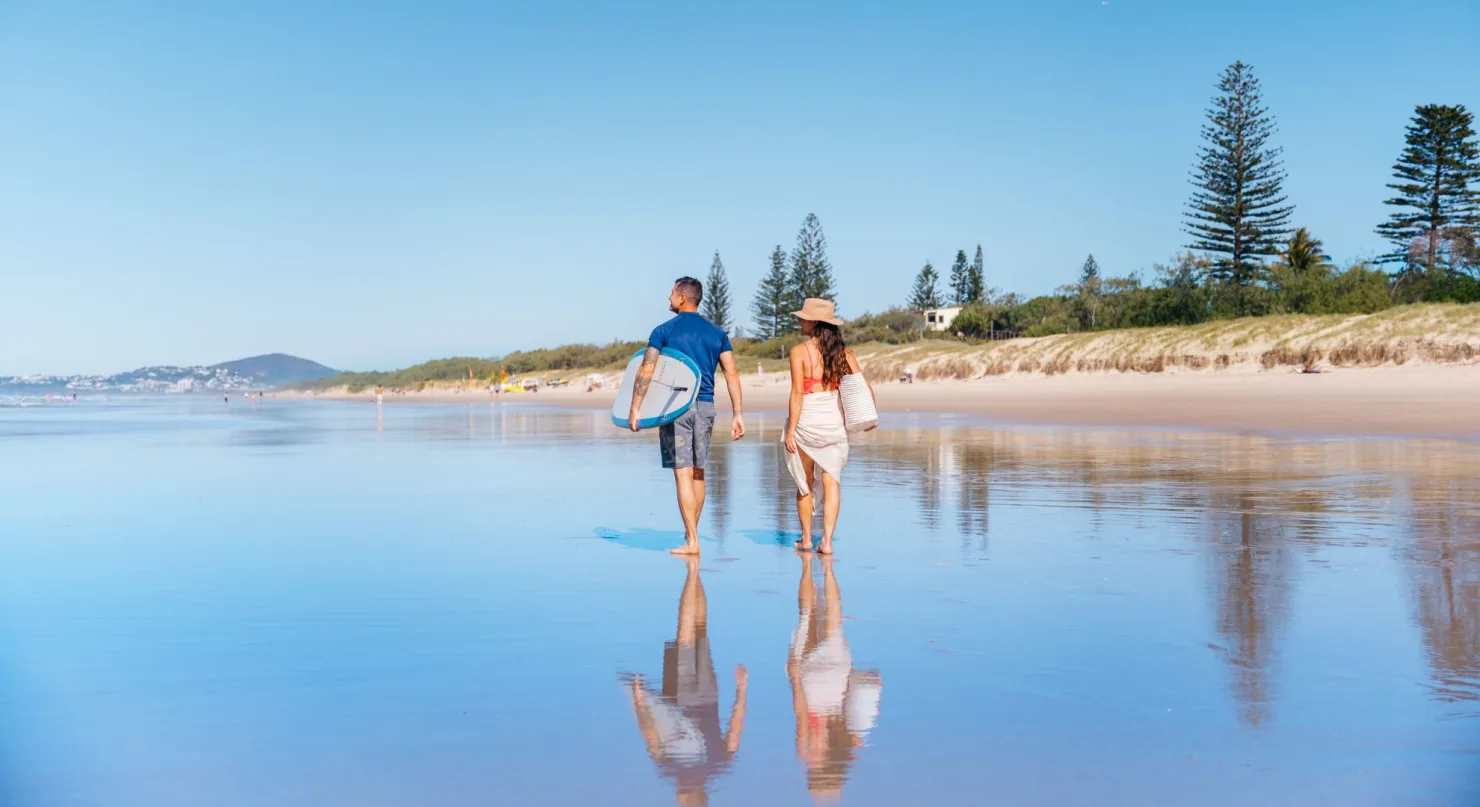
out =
column 686, row 549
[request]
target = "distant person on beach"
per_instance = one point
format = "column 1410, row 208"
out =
column 685, row 442
column 835, row 705
column 379, row 395
column 816, row 437
column 680, row 723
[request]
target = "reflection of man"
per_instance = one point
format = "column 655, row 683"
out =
column 681, row 723
column 685, row 442
column 835, row 705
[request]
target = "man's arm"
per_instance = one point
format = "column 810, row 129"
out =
column 641, row 383
column 732, row 383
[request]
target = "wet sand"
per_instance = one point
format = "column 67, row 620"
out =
column 326, row 603
column 1421, row 401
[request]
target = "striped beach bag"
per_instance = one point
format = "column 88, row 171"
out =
column 859, row 412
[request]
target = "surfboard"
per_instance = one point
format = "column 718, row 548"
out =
column 674, row 388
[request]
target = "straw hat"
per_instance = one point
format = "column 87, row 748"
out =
column 818, row 310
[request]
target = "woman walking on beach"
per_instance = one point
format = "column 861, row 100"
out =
column 836, row 706
column 816, row 437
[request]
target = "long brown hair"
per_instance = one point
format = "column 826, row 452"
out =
column 834, row 352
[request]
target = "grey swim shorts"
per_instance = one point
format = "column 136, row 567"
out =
column 685, row 442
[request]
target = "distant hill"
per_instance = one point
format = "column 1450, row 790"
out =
column 558, row 360
column 258, row 372
column 276, row 369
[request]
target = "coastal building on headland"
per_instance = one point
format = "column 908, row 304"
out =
column 162, row 379
column 939, row 319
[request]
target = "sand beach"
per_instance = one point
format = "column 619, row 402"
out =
column 1421, row 400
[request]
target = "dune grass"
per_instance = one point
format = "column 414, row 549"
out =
column 1428, row 333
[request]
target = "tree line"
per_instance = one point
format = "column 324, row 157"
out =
column 1245, row 259
column 805, row 272
column 1243, row 256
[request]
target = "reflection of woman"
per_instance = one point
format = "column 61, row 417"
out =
column 816, row 436
column 680, row 723
column 835, row 705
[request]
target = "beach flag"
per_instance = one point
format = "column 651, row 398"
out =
column 503, row 375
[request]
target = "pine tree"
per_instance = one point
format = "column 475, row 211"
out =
column 976, row 282
column 1438, row 185
column 1089, row 288
column 960, row 279
column 716, row 306
column 1238, row 212
column 811, row 274
column 770, row 306
column 925, row 296
column 1089, row 274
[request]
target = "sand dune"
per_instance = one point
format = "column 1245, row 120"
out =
column 1427, row 334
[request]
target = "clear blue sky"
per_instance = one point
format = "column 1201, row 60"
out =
column 375, row 184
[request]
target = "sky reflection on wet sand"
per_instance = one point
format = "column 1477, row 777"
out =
column 308, row 603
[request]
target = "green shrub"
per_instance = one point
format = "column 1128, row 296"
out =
column 1362, row 289
column 778, row 348
column 895, row 326
column 569, row 357
column 979, row 321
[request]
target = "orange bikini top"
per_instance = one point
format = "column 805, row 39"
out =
column 810, row 384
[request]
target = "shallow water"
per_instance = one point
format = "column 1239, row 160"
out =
column 319, row 603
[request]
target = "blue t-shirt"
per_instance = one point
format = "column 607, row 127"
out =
column 697, row 338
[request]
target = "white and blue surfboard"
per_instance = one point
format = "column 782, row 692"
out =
column 673, row 391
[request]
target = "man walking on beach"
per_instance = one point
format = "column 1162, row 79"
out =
column 680, row 722
column 685, row 442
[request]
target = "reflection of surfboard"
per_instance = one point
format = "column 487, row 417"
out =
column 675, row 385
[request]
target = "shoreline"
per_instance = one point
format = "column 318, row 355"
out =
column 1424, row 401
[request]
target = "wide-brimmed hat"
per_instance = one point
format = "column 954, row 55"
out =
column 817, row 309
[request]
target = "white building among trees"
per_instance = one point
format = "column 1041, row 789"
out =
column 940, row 319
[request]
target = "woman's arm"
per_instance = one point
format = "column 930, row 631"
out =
column 794, row 406
column 799, row 709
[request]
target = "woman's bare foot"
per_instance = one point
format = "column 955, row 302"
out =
column 804, row 545
column 686, row 550
column 826, row 547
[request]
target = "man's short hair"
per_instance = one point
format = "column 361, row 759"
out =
column 691, row 289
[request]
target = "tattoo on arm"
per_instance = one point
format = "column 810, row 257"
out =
column 644, row 376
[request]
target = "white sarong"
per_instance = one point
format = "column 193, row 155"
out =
column 822, row 435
